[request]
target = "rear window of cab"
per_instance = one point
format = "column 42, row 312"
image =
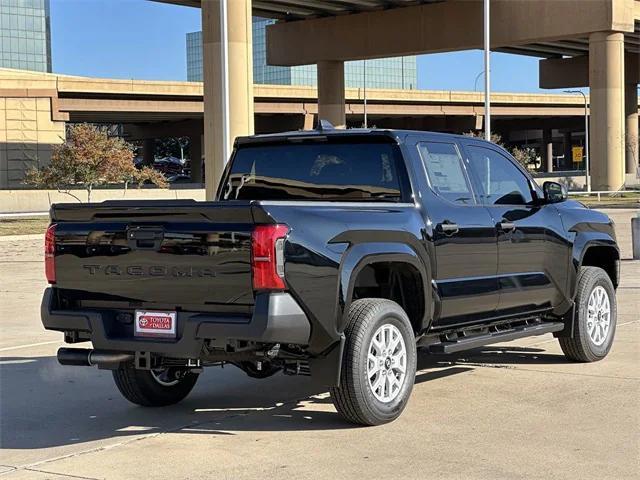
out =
column 317, row 171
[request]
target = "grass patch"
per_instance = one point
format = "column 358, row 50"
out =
column 629, row 200
column 23, row 225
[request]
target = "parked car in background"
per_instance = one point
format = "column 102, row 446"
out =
column 179, row 178
column 169, row 165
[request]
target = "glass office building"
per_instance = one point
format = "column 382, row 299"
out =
column 25, row 38
column 194, row 57
column 398, row 72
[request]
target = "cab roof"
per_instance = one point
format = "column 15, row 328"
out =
column 325, row 131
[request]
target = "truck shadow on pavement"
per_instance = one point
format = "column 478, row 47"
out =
column 43, row 404
column 503, row 356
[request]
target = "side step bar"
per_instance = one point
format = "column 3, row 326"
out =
column 497, row 336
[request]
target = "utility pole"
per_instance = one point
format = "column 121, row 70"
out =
column 224, row 45
column 364, row 88
column 487, row 72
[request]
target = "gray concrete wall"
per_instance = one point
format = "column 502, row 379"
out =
column 24, row 201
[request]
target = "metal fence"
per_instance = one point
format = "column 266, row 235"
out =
column 600, row 193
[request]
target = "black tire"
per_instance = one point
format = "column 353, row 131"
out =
column 354, row 397
column 580, row 347
column 142, row 388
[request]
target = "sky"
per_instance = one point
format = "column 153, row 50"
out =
column 121, row 38
column 145, row 40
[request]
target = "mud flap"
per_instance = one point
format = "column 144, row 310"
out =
column 568, row 320
column 325, row 370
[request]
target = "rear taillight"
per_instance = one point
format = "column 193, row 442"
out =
column 50, row 254
column 267, row 256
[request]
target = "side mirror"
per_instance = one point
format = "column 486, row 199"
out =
column 554, row 192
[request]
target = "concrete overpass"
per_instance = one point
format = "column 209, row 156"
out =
column 606, row 33
column 34, row 108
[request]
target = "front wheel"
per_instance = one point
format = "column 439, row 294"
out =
column 378, row 364
column 154, row 388
column 594, row 322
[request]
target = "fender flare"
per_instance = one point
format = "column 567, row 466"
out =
column 581, row 245
column 360, row 255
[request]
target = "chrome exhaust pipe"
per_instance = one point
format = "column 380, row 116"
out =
column 85, row 357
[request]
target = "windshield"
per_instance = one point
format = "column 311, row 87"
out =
column 316, row 171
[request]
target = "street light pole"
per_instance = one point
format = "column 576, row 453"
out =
column 224, row 45
column 586, row 137
column 487, row 72
column 475, row 83
column 364, row 87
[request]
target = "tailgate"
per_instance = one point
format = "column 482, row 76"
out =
column 176, row 254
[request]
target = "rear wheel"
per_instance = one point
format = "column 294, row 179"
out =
column 154, row 388
column 594, row 322
column 379, row 363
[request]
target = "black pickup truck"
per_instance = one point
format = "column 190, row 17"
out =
column 335, row 254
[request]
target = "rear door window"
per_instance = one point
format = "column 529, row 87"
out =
column 322, row 171
column 445, row 171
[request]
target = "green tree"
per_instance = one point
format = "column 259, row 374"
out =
column 90, row 158
column 172, row 147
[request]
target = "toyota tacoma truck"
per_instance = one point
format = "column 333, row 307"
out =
column 335, row 254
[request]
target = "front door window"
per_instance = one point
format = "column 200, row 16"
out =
column 502, row 183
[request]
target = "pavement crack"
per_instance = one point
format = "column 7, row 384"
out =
column 221, row 418
column 579, row 374
column 137, row 439
column 9, row 469
column 30, row 345
column 515, row 367
column 87, row 451
column 67, row 475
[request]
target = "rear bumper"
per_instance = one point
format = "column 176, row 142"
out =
column 277, row 318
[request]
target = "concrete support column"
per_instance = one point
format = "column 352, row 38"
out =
column 547, row 149
column 606, row 82
column 632, row 146
column 308, row 121
column 148, row 151
column 567, row 163
column 218, row 136
column 196, row 158
column 331, row 103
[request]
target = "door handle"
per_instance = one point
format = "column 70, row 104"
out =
column 449, row 228
column 507, row 226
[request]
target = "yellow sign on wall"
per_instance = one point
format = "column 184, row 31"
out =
column 576, row 153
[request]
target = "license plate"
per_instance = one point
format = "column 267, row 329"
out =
column 151, row 323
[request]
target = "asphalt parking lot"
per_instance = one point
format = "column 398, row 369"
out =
column 515, row 410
